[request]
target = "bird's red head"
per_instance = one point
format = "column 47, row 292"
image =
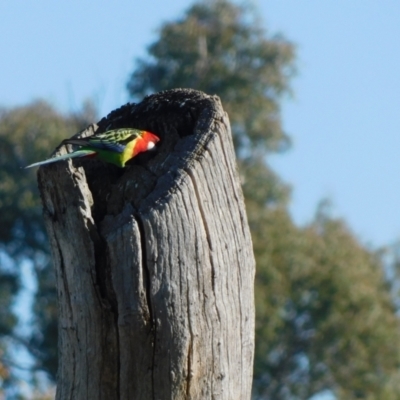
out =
column 146, row 142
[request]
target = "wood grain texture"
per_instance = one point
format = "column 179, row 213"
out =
column 154, row 263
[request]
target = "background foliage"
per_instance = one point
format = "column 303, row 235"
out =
column 326, row 317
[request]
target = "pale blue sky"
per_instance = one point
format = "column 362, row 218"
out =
column 344, row 119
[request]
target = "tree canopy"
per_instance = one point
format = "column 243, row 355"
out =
column 325, row 318
column 222, row 49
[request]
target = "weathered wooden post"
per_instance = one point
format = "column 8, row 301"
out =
column 154, row 262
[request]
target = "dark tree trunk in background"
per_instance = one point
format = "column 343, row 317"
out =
column 154, row 262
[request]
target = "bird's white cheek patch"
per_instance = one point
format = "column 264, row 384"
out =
column 150, row 145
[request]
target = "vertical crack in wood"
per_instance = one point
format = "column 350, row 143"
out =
column 87, row 362
column 109, row 297
column 63, row 277
column 189, row 367
column 64, row 281
column 147, row 285
column 209, row 241
column 118, row 354
column 101, row 281
column 190, row 348
column 207, row 232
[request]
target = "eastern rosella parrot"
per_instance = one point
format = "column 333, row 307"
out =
column 115, row 146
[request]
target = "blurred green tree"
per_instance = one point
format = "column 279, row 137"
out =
column 28, row 134
column 325, row 318
column 9, row 285
column 222, row 48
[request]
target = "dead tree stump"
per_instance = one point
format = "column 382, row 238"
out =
column 154, row 263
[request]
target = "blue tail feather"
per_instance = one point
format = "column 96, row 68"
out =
column 75, row 154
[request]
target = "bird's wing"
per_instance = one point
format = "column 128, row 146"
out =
column 97, row 144
column 114, row 140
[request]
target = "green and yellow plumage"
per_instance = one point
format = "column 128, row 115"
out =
column 115, row 146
